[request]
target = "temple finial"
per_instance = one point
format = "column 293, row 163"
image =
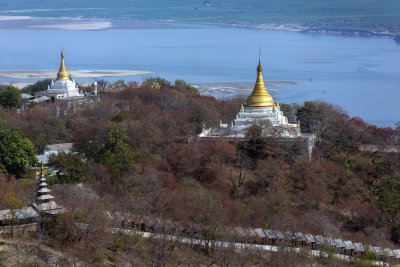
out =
column 260, row 96
column 259, row 67
column 42, row 170
column 62, row 72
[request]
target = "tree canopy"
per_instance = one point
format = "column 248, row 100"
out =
column 10, row 97
column 156, row 83
column 69, row 167
column 38, row 86
column 390, row 196
column 16, row 152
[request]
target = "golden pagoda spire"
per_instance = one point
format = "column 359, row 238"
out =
column 42, row 174
column 260, row 96
column 62, row 74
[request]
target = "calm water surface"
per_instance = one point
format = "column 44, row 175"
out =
column 360, row 74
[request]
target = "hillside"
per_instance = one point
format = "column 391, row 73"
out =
column 141, row 157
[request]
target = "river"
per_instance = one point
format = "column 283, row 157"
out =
column 360, row 74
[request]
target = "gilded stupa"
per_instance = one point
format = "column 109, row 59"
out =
column 259, row 109
column 62, row 74
column 260, row 96
column 64, row 87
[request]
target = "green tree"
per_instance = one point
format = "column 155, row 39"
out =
column 183, row 85
column 69, row 167
column 290, row 111
column 308, row 116
column 119, row 85
column 102, row 85
column 156, row 83
column 116, row 154
column 397, row 125
column 390, row 195
column 395, row 234
column 10, row 97
column 16, row 152
column 38, row 86
column 255, row 137
column 14, row 204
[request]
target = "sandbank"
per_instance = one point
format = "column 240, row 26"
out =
column 231, row 89
column 33, row 74
column 3, row 18
column 77, row 26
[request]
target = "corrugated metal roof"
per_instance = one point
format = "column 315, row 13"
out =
column 240, row 231
column 330, row 241
column 260, row 232
column 41, row 99
column 359, row 247
column 51, row 205
column 43, row 158
column 270, row 234
column 56, row 211
column 20, row 214
column 279, row 235
column 388, row 252
column 396, row 252
column 320, row 239
column 289, row 235
column 26, row 96
column 349, row 245
column 250, row 232
column 339, row 243
column 66, row 147
column 300, row 237
column 310, row 238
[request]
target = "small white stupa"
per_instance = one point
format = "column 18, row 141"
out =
column 63, row 87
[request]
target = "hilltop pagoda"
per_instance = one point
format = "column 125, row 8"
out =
column 259, row 109
column 64, row 87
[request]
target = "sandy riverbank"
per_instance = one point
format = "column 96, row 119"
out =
column 231, row 89
column 32, row 74
column 77, row 23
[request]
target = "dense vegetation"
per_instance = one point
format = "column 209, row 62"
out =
column 137, row 153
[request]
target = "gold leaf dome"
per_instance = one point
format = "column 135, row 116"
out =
column 260, row 96
column 62, row 74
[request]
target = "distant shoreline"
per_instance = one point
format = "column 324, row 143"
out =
column 37, row 74
column 87, row 24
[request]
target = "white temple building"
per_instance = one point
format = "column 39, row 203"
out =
column 259, row 109
column 64, row 87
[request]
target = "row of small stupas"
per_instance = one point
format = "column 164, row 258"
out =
column 259, row 109
column 64, row 87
